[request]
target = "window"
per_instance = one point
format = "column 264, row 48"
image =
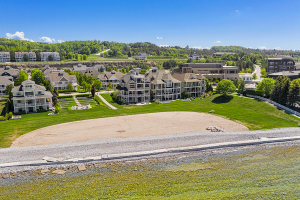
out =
column 132, row 86
column 232, row 72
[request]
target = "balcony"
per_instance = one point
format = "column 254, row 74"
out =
column 30, row 104
column 17, row 105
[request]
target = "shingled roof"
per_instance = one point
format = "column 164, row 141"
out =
column 57, row 76
column 158, row 77
column 188, row 77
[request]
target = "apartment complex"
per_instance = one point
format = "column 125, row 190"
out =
column 191, row 83
column 134, row 88
column 84, row 69
column 4, row 81
column 30, row 97
column 20, row 56
column 9, row 72
column 60, row 79
column 163, row 85
column 141, row 56
column 112, row 77
column 210, row 70
column 45, row 56
column 281, row 63
column 4, row 57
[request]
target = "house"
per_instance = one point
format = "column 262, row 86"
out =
column 60, row 80
column 247, row 78
column 134, row 88
column 194, row 57
column 280, row 63
column 30, row 97
column 112, row 77
column 84, row 69
column 100, row 68
column 191, row 83
column 45, row 56
column 219, row 54
column 4, row 57
column 79, row 68
column 163, row 85
column 210, row 70
column 5, row 81
column 47, row 69
column 20, row 56
column 141, row 56
column 8, row 71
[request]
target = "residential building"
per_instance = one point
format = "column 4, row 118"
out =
column 4, row 57
column 280, row 63
column 8, row 71
column 84, row 69
column 79, row 68
column 134, row 88
column 210, row 70
column 194, row 57
column 45, row 56
column 5, row 81
column 30, row 97
column 247, row 78
column 141, row 56
column 20, row 56
column 112, row 77
column 47, row 69
column 219, row 54
column 191, row 83
column 60, row 80
column 164, row 86
column 291, row 74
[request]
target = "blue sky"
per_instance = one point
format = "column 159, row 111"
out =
column 249, row 23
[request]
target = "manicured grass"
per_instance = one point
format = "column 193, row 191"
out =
column 261, row 174
column 252, row 113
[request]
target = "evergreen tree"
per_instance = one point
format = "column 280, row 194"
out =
column 285, row 88
column 129, row 54
column 293, row 96
column 241, row 87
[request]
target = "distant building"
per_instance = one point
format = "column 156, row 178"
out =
column 194, row 57
column 47, row 69
column 280, row 63
column 4, row 57
column 133, row 88
column 163, row 85
column 84, row 69
column 20, row 56
column 191, row 83
column 79, row 68
column 222, row 53
column 5, row 81
column 60, row 80
column 112, row 77
column 247, row 78
column 9, row 72
column 30, row 97
column 45, row 56
column 291, row 74
column 210, row 70
column 141, row 56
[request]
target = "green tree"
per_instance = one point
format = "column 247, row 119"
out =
column 26, row 58
column 266, row 86
column 263, row 72
column 85, row 50
column 241, row 87
column 225, row 86
column 69, row 87
column 84, row 57
column 84, row 85
column 285, row 88
column 293, row 96
column 109, row 86
column 38, row 77
column 93, row 90
column 185, row 95
column 76, row 56
column 97, row 84
column 23, row 76
column 8, row 91
column 129, row 54
column 254, row 77
column 236, row 83
column 70, row 55
column 50, row 58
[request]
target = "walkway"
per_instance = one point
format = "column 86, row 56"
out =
column 76, row 101
column 98, row 54
column 77, row 93
column 104, row 101
column 258, row 73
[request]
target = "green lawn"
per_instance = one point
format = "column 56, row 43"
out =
column 261, row 174
column 252, row 113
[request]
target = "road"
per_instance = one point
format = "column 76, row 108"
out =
column 258, row 73
column 98, row 54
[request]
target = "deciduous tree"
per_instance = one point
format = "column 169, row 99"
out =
column 225, row 86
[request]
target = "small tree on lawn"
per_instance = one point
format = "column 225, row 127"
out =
column 84, row 57
column 97, row 84
column 225, row 86
column 69, row 87
column 241, row 87
column 109, row 86
column 93, row 91
column 236, row 83
column 54, row 98
column 185, row 95
column 266, row 86
column 26, row 58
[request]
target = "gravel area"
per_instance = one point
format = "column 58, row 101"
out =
column 123, row 145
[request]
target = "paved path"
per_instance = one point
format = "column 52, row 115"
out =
column 76, row 101
column 111, row 106
column 28, row 158
column 78, row 93
column 258, row 73
column 98, row 54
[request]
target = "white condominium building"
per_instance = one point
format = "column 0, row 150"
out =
column 4, row 57
column 45, row 56
column 20, row 56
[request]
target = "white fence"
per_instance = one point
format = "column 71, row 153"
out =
column 275, row 104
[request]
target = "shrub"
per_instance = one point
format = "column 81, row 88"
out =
column 10, row 115
column 3, row 118
column 250, row 91
column 157, row 101
column 64, row 91
column 185, row 95
column 83, row 95
column 65, row 97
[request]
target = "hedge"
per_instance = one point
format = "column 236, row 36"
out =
column 65, row 97
column 83, row 95
column 63, row 91
column 3, row 118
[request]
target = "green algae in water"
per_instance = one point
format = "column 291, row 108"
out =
column 262, row 174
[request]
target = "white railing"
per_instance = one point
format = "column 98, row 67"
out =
column 275, row 104
column 19, row 105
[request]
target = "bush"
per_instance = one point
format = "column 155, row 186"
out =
column 64, row 91
column 157, row 101
column 10, row 115
column 3, row 118
column 250, row 91
column 65, row 97
column 185, row 95
column 83, row 95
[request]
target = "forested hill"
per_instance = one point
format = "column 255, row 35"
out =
column 119, row 49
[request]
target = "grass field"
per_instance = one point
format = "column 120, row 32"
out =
column 65, row 103
column 252, row 113
column 84, row 101
column 260, row 174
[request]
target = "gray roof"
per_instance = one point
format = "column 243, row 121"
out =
column 110, row 76
column 283, row 58
column 12, row 72
column 230, row 67
column 203, row 65
column 79, row 67
column 20, row 87
column 159, row 76
column 4, row 80
column 55, row 76
column 187, row 77
column 285, row 73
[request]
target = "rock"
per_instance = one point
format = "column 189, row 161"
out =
column 59, row 171
column 44, row 171
column 81, row 167
column 5, row 176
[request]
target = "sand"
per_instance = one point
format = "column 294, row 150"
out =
column 141, row 125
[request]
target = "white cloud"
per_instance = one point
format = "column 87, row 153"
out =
column 206, row 48
column 236, row 10
column 160, row 38
column 261, row 47
column 164, row 45
column 277, row 48
column 195, row 47
column 17, row 35
column 218, row 41
column 31, row 40
column 60, row 41
column 47, row 39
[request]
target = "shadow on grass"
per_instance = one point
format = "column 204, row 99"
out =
column 222, row 99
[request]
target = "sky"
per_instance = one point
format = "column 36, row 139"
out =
column 198, row 24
